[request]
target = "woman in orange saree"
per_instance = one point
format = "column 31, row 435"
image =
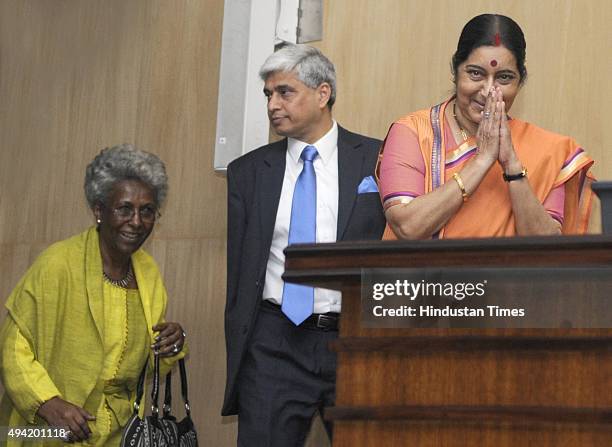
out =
column 464, row 168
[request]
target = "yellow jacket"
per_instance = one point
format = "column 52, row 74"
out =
column 51, row 341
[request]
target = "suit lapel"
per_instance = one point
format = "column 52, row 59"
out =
column 271, row 171
column 350, row 162
column 270, row 174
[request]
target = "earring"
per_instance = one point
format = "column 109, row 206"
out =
column 98, row 221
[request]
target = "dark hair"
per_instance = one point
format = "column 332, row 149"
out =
column 491, row 30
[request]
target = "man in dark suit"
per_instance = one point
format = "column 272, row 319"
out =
column 316, row 185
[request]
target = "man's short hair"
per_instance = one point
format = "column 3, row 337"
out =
column 310, row 65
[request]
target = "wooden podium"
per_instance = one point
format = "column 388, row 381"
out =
column 463, row 387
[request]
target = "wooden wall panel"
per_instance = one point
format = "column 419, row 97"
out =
column 78, row 75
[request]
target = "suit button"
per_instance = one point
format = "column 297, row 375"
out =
column 245, row 330
column 256, row 283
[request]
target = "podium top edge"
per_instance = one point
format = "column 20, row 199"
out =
column 549, row 243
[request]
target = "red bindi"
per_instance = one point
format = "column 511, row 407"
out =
column 493, row 63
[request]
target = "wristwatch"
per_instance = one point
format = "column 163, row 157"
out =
column 512, row 177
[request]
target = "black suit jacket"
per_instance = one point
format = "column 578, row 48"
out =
column 254, row 187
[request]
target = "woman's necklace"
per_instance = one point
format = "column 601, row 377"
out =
column 123, row 282
column 461, row 129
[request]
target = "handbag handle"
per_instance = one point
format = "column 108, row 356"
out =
column 167, row 391
column 154, row 389
column 168, row 395
column 184, row 390
column 140, row 386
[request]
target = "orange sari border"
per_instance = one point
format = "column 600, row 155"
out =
column 577, row 161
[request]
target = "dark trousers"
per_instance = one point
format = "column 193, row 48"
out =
column 287, row 375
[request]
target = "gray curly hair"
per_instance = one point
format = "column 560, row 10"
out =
column 310, row 65
column 124, row 162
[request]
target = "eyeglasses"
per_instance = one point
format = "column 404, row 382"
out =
column 147, row 214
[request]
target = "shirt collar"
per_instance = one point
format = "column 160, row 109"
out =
column 326, row 145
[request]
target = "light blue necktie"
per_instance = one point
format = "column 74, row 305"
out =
column 298, row 300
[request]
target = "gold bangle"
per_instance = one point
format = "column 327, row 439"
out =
column 464, row 193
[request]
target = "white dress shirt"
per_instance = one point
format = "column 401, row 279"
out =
column 326, row 170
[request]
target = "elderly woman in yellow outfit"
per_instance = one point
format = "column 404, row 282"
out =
column 85, row 317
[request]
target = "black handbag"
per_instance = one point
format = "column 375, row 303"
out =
column 156, row 431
